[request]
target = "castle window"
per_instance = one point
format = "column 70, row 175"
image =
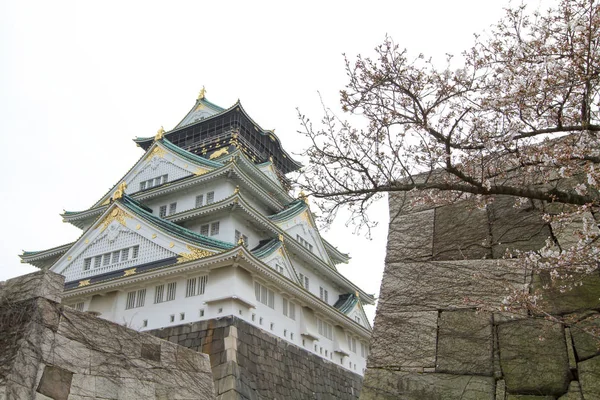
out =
column 79, row 306
column 279, row 268
column 204, row 229
column 352, row 344
column 304, row 243
column 238, row 236
column 172, row 318
column 97, row 261
column 172, row 208
column 87, row 263
column 214, row 228
column 196, row 286
column 145, row 323
column 323, row 294
column 201, row 313
column 115, row 257
column 199, row 200
column 363, row 350
column 159, row 294
column 162, row 211
column 324, row 329
column 181, row 316
column 106, row 259
column 292, row 336
column 136, row 250
column 264, row 295
column 135, row 299
column 210, row 197
column 289, row 309
column 357, row 319
column 124, row 254
column 171, row 288
column 150, row 183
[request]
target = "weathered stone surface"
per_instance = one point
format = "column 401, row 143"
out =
column 528, row 397
column 55, row 383
column 589, row 378
column 586, row 337
column 410, row 237
column 44, row 284
column 574, row 392
column 565, row 232
column 533, row 357
column 465, row 343
column 515, row 228
column 442, row 285
column 404, row 340
column 557, row 301
column 472, row 223
column 380, row 384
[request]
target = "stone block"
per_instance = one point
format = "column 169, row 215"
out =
column 516, row 228
column 136, row 389
column 442, row 285
column 380, row 384
column 581, row 295
column 404, row 340
column 44, row 284
column 589, row 378
column 574, row 392
column 107, row 388
column 83, row 385
column 586, row 337
column 565, row 232
column 533, row 357
column 461, row 232
column 151, row 352
column 410, row 237
column 528, row 397
column 55, row 383
column 465, row 343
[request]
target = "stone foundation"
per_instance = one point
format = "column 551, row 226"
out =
column 249, row 363
column 429, row 342
column 48, row 351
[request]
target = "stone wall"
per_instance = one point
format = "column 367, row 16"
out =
column 429, row 340
column 48, row 351
column 249, row 363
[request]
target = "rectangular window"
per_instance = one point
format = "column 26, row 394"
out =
column 124, row 254
column 172, row 208
column 214, row 228
column 115, row 257
column 324, row 329
column 142, row 185
column 264, row 295
column 145, row 323
column 199, row 200
column 141, row 298
column 196, row 286
column 306, row 283
column 106, row 259
column 97, row 261
column 285, row 307
column 181, row 316
column 171, row 288
column 162, row 211
column 352, row 344
column 362, row 350
column 130, row 300
column 165, row 178
column 204, row 229
column 87, row 264
column 159, row 294
column 79, row 306
column 292, row 311
column 210, row 197
column 323, row 294
column 157, row 181
column 136, row 250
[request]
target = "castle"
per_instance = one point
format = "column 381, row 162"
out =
column 203, row 227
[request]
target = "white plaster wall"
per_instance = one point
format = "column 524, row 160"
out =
column 222, row 283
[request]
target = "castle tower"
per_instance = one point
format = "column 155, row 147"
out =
column 203, row 227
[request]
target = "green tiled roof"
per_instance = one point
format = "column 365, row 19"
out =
column 346, row 302
column 190, row 156
column 266, row 247
column 170, row 227
column 292, row 209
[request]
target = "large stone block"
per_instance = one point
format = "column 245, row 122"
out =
column 589, row 378
column 586, row 337
column 55, row 383
column 381, row 384
column 574, row 392
column 581, row 293
column 45, row 284
column 410, row 237
column 404, row 340
column 533, row 357
column 465, row 343
column 461, row 232
column 516, row 228
column 434, row 285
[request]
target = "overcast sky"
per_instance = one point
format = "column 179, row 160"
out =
column 80, row 79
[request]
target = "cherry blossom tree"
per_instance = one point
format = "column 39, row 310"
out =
column 519, row 117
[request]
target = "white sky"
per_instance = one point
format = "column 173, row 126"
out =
column 79, row 80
